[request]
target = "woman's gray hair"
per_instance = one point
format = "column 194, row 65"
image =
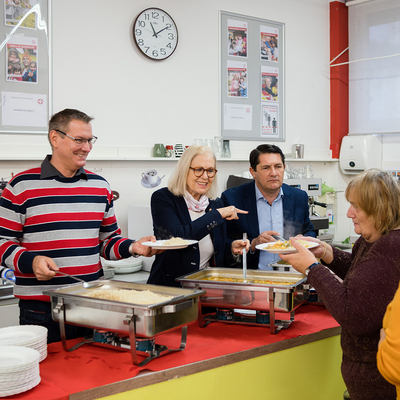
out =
column 377, row 193
column 177, row 183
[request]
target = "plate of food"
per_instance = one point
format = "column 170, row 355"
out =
column 170, row 244
column 284, row 247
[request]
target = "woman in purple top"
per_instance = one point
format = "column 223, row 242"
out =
column 370, row 274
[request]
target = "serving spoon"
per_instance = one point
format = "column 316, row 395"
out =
column 86, row 285
column 244, row 259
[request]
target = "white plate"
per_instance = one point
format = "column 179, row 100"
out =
column 127, row 270
column 21, row 389
column 22, row 335
column 266, row 247
column 17, row 358
column 125, row 262
column 159, row 244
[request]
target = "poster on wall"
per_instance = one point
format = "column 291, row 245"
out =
column 252, row 82
column 269, row 120
column 22, row 59
column 237, row 79
column 269, row 83
column 269, row 43
column 237, row 38
column 25, row 71
column 238, row 117
column 24, row 109
column 17, row 10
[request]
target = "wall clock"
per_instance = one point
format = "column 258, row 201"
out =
column 155, row 33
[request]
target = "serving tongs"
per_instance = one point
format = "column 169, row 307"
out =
column 86, row 285
column 280, row 238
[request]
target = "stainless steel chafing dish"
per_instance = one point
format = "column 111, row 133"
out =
column 70, row 305
column 283, row 266
column 249, row 295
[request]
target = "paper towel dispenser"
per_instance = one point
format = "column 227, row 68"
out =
column 359, row 153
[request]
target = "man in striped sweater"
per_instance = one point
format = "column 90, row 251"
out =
column 60, row 217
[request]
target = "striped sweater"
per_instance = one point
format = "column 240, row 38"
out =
column 71, row 220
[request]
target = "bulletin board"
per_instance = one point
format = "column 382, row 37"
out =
column 252, row 78
column 25, row 72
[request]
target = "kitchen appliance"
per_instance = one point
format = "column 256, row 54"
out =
column 359, row 153
column 313, row 187
column 248, row 302
column 133, row 326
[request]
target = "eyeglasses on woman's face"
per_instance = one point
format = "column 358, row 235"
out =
column 199, row 171
column 79, row 141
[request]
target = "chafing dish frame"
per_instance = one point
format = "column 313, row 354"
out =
column 263, row 297
column 182, row 308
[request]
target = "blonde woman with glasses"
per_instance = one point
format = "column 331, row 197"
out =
column 188, row 208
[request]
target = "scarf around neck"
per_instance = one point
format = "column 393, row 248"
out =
column 196, row 205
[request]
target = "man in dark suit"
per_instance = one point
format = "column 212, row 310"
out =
column 274, row 207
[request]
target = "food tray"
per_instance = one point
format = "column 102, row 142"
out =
column 283, row 266
column 252, row 296
column 149, row 320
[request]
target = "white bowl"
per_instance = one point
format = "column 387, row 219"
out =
column 124, row 266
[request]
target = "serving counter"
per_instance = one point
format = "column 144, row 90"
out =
column 220, row 361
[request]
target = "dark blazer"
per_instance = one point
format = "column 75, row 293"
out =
column 171, row 219
column 296, row 218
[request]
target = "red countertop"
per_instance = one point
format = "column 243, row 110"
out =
column 90, row 366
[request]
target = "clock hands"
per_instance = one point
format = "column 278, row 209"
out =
column 162, row 30
column 154, row 31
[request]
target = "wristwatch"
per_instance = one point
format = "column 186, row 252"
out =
column 310, row 267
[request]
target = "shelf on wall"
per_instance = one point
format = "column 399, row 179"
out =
column 40, row 158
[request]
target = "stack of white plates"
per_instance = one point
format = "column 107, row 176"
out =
column 19, row 369
column 124, row 266
column 32, row 336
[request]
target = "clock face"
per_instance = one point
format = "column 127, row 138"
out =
column 155, row 34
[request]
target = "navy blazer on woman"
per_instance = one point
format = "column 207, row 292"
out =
column 171, row 218
column 296, row 220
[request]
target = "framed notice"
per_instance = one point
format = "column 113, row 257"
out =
column 252, row 78
column 25, row 53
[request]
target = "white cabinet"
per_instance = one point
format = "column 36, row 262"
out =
column 9, row 313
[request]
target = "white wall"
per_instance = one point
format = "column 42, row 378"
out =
column 98, row 69
column 137, row 102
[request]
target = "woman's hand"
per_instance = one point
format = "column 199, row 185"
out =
column 230, row 212
column 237, row 246
column 324, row 251
column 299, row 261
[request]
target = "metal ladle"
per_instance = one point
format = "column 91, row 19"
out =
column 244, row 259
column 86, row 285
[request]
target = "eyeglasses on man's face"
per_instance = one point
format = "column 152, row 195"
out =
column 79, row 142
column 199, row 171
